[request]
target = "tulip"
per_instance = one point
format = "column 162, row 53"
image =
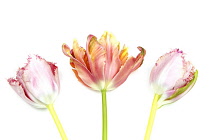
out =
column 37, row 83
column 102, row 66
column 171, row 78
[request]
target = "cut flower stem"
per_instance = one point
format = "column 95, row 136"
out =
column 50, row 107
column 104, row 115
column 152, row 117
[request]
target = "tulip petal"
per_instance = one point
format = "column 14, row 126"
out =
column 180, row 92
column 163, row 98
column 54, row 70
column 24, row 94
column 83, row 72
column 79, row 52
column 130, row 65
column 39, row 80
column 122, row 75
column 139, row 59
column 188, row 75
column 113, row 63
column 123, row 55
column 168, row 69
column 96, row 58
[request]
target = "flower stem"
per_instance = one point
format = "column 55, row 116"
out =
column 152, row 117
column 104, row 115
column 50, row 107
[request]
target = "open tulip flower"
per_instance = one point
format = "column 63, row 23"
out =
column 102, row 66
column 171, row 78
column 38, row 84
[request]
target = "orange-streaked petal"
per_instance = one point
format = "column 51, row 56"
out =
column 82, row 71
column 79, row 79
column 66, row 50
column 79, row 52
column 96, row 57
column 113, row 63
column 123, row 55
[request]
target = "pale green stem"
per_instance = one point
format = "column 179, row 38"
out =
column 57, row 122
column 152, row 117
column 104, row 115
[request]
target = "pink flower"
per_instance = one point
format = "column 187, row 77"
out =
column 102, row 66
column 37, row 83
column 172, row 77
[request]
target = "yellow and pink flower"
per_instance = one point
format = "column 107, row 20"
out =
column 103, row 65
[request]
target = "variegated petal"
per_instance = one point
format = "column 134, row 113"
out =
column 24, row 94
column 40, row 80
column 113, row 63
column 130, row 65
column 166, row 72
column 179, row 93
column 82, row 72
column 96, row 59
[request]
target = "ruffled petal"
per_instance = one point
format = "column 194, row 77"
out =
column 177, row 94
column 96, row 58
column 123, row 55
column 139, row 59
column 80, row 70
column 188, row 75
column 79, row 52
column 130, row 65
column 122, row 75
column 113, row 63
column 40, row 80
column 24, row 94
column 168, row 69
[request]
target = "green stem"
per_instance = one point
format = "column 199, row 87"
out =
column 152, row 117
column 57, row 122
column 104, row 115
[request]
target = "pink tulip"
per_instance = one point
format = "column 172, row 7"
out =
column 102, row 66
column 37, row 82
column 172, row 77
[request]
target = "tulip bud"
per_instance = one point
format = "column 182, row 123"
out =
column 172, row 77
column 37, row 83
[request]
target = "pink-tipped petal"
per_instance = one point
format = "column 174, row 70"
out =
column 39, row 80
column 168, row 69
column 24, row 94
column 173, row 96
column 187, row 76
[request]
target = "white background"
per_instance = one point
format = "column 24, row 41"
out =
column 42, row 26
